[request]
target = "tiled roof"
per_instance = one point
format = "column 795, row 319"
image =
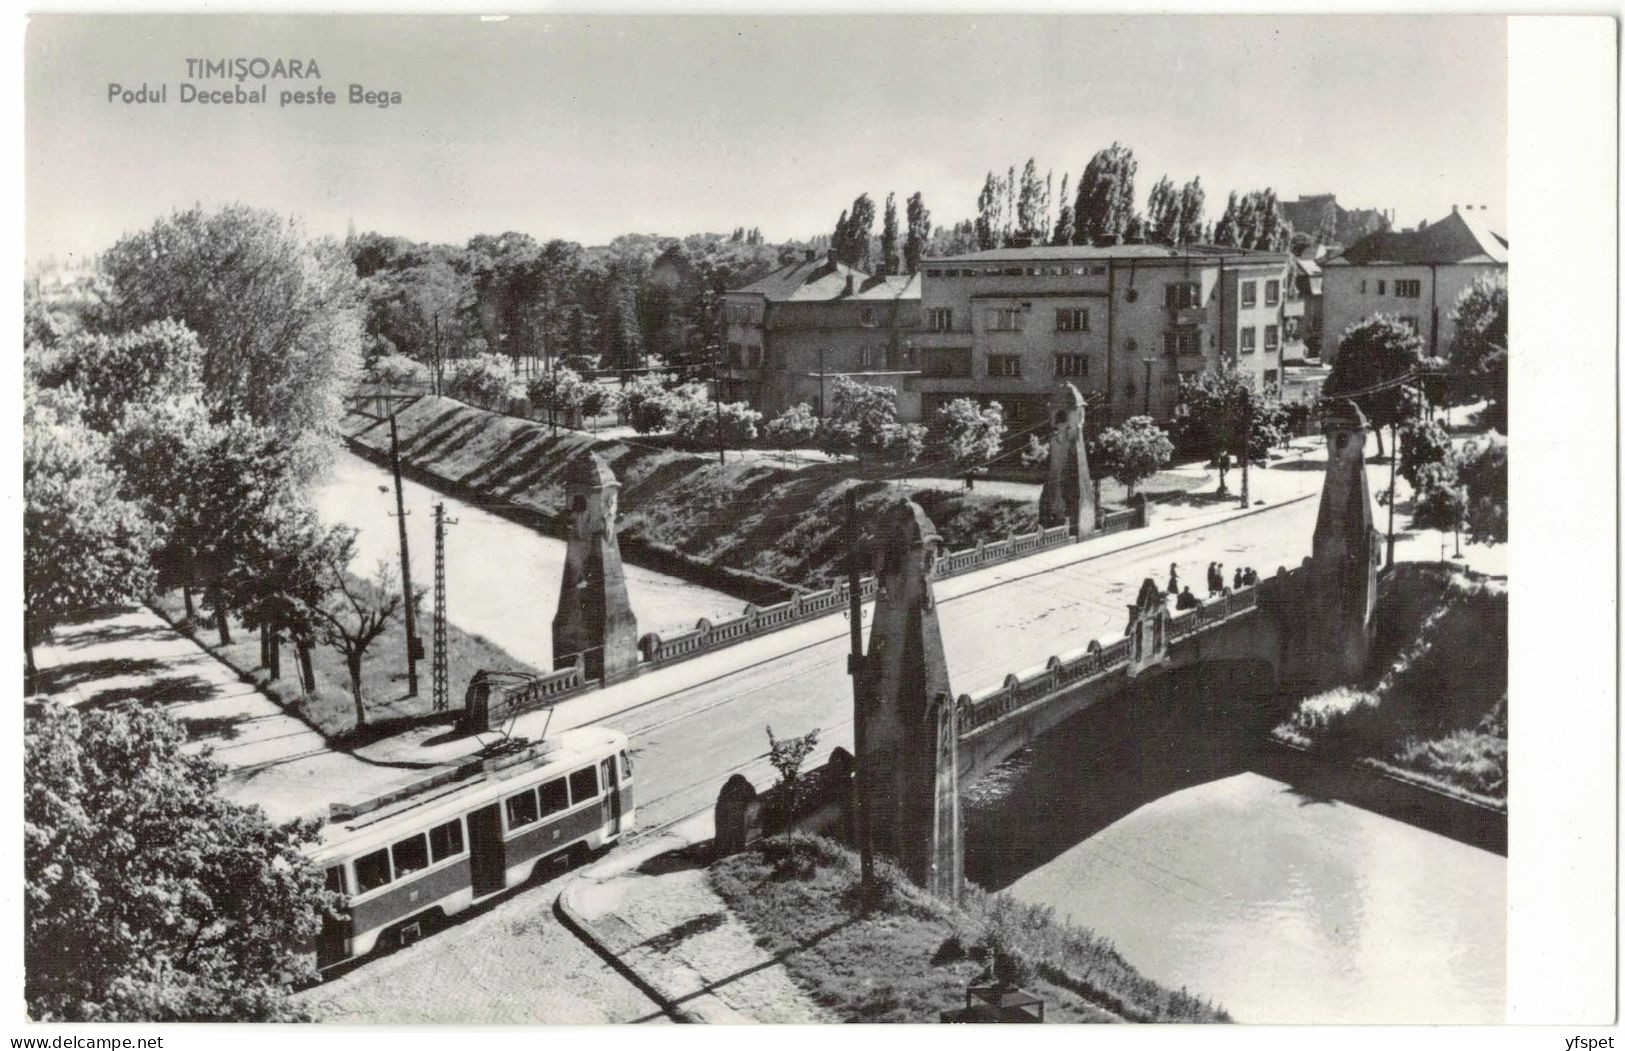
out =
column 1117, row 251
column 898, row 286
column 807, row 281
column 1461, row 237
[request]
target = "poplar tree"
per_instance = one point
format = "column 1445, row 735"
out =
column 919, row 232
column 989, row 206
column 1062, row 234
column 889, row 263
column 1105, row 201
column 1164, row 212
column 1029, row 202
column 1192, row 201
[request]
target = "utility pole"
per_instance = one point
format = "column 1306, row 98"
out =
column 1246, row 443
column 437, row 355
column 820, row 387
column 442, row 690
column 1393, row 467
column 1148, row 363
column 716, row 397
column 855, row 667
column 412, row 643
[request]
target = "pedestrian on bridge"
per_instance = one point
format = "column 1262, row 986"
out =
column 1173, row 578
column 1186, row 600
column 1240, row 579
column 1215, row 579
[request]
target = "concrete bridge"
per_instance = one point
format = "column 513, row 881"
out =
column 917, row 742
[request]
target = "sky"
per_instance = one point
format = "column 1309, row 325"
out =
column 588, row 127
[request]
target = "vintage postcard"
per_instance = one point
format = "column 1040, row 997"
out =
column 782, row 519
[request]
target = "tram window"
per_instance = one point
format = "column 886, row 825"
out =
column 626, row 766
column 584, row 784
column 522, row 809
column 410, row 855
column 446, row 840
column 554, row 797
column 372, row 871
column 335, row 879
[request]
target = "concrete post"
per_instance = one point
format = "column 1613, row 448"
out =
column 909, row 769
column 1347, row 551
column 594, row 617
column 1068, row 496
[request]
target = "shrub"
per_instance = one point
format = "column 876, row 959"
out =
column 793, row 428
column 396, row 370
column 485, row 380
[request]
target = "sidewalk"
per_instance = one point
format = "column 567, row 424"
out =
column 273, row 756
column 651, row 909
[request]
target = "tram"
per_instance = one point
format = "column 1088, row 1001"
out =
column 406, row 860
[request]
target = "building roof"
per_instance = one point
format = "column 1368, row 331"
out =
column 1176, row 253
column 814, row 279
column 1460, row 237
column 896, row 286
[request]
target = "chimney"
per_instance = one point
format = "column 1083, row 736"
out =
column 1107, row 240
column 1452, row 209
column 830, row 256
column 811, row 254
column 1021, row 240
column 848, row 285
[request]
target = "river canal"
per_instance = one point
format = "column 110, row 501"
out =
column 502, row 579
column 1280, row 906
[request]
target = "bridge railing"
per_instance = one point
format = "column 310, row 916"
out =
column 708, row 635
column 1074, row 667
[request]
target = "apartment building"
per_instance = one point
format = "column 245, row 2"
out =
column 1415, row 275
column 1122, row 322
column 790, row 334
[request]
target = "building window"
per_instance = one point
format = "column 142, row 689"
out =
column 1272, row 337
column 1272, row 375
column 1382, row 288
column 1004, row 366
column 1249, row 293
column 1004, row 319
column 1071, row 365
column 1182, row 295
column 866, row 317
column 1362, row 286
column 940, row 319
column 736, row 353
column 1410, row 321
column 1182, row 341
column 933, row 273
column 1249, row 340
column 753, row 356
column 1071, row 319
column 1272, row 293
column 1408, row 289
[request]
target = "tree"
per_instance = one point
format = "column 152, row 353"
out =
column 919, row 233
column 276, row 313
column 863, row 418
column 1375, row 358
column 147, row 897
column 1219, row 407
column 620, row 344
column 889, row 261
column 1030, row 204
column 850, row 241
column 990, row 213
column 1225, row 231
column 354, row 614
column 1134, row 451
column 1063, row 232
column 557, row 390
column 1478, row 351
column 645, row 404
column 1422, row 441
column 697, row 420
column 1164, row 212
column 1440, row 501
column 84, row 544
column 159, row 360
column 484, row 379
column 794, row 428
column 1192, row 201
column 1105, row 201
column 396, row 372
column 967, row 434
column 1483, row 471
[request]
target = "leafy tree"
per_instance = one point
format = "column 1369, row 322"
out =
column 558, row 390
column 1375, row 357
column 1105, row 201
column 619, row 342
column 1219, row 406
column 645, row 404
column 967, row 434
column 1036, row 454
column 1192, row 201
column 889, row 261
column 852, row 233
column 396, row 372
column 787, row 755
column 990, row 213
column 485, row 379
column 1483, row 471
column 1063, row 232
column 794, row 428
column 84, row 544
column 277, row 314
column 283, row 578
column 1422, row 441
column 696, row 421
column 354, row 613
column 1478, row 352
column 147, row 897
column 159, row 360
column 919, row 233
column 1164, row 212
column 1031, row 205
column 1134, row 451
column 860, row 416
column 1225, row 232
column 1441, row 499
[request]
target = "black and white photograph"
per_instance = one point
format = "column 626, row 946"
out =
column 554, row 519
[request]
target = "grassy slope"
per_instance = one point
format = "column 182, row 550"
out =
column 1434, row 705
column 759, row 517
column 906, row 960
column 331, row 708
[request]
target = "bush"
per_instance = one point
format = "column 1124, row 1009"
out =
column 793, row 428
column 485, row 380
column 396, row 370
column 696, row 422
column 1135, row 451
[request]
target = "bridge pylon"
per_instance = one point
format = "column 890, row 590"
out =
column 1068, row 496
column 594, row 617
column 910, row 730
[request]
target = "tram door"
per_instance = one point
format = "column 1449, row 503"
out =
column 487, row 858
column 610, row 808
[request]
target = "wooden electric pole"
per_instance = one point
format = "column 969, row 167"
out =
column 441, row 663
column 406, row 561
